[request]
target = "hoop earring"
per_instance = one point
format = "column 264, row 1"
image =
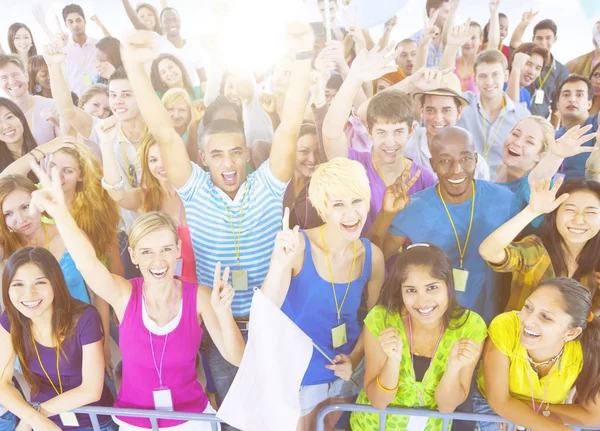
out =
column 37, row 88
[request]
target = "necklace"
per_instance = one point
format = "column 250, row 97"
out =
column 536, row 365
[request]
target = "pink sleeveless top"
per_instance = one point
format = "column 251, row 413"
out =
column 179, row 364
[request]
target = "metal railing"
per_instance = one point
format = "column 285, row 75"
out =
column 473, row 417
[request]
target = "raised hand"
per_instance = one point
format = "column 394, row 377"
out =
column 51, row 197
column 464, row 352
column 520, row 60
column 139, row 47
column 198, row 111
column 570, row 144
column 328, row 58
column 222, row 292
column 39, row 14
column 543, row 199
column 373, row 64
column 286, row 242
column 494, row 5
column 426, row 79
column 55, row 52
column 460, row 34
column 342, row 367
column 355, row 32
column 391, row 344
column 107, row 130
column 396, row 197
column 56, row 144
column 105, row 69
column 50, row 114
column 391, row 23
column 430, row 30
column 268, row 103
column 528, row 16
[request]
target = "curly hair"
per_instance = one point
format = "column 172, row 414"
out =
column 157, row 81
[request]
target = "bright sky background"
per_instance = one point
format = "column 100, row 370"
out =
column 255, row 41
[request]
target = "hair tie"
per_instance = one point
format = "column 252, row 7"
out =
column 590, row 317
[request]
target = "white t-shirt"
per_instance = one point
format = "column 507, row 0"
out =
column 43, row 131
column 193, row 56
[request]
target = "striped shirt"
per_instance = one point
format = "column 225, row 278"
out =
column 212, row 236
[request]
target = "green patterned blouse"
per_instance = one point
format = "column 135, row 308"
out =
column 378, row 319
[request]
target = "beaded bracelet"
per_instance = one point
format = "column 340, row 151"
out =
column 386, row 389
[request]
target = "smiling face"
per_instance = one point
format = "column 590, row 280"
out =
column 523, row 147
column 98, row 106
column 155, row 164
column 68, row 170
column 307, row 156
column 121, row 100
column 439, row 112
column 180, row 114
column 406, row 59
column 170, row 73
column 230, row 91
column 544, row 322
column 545, row 37
column 578, row 218
column 348, row 214
column 23, row 41
column 453, row 159
column 76, row 24
column 389, row 141
column 425, row 297
column 146, row 16
column 490, row 79
column 13, row 80
column 503, row 28
column 573, row 103
column 225, row 155
column 531, row 71
column 30, row 291
column 156, row 254
column 17, row 216
column 11, row 128
column 171, row 23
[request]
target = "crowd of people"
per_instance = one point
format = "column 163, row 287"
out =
column 378, row 193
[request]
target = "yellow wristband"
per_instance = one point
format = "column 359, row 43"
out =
column 386, row 389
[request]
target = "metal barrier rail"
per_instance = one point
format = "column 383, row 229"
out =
column 474, row 417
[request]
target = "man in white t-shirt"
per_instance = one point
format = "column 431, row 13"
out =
column 189, row 52
column 14, row 81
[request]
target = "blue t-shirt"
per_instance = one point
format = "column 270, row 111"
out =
column 425, row 220
column 524, row 96
column 574, row 167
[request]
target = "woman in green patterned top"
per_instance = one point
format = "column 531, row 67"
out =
column 422, row 347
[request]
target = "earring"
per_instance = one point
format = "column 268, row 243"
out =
column 38, row 88
column 137, row 266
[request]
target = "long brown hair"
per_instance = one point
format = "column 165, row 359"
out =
column 154, row 194
column 8, row 184
column 12, row 31
column 29, row 143
column 35, row 64
column 65, row 310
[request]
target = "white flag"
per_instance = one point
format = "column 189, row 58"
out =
column 264, row 395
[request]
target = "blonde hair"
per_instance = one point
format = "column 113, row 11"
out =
column 174, row 95
column 8, row 184
column 338, row 177
column 155, row 195
column 93, row 209
column 546, row 128
column 148, row 223
column 92, row 91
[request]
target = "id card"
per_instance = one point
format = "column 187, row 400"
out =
column 87, row 81
column 416, row 423
column 69, row 419
column 163, row 400
column 339, row 336
column 460, row 279
column 179, row 267
column 239, row 279
column 539, row 97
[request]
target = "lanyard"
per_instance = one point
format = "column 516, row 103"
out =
column 404, row 162
column 338, row 307
column 461, row 250
column 486, row 148
column 537, row 410
column 131, row 171
column 305, row 208
column 543, row 81
column 237, row 242
column 162, row 356
column 44, row 370
column 421, row 394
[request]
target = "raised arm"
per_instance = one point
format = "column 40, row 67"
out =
column 40, row 17
column 100, row 24
column 457, row 36
column 513, row 89
column 449, row 23
column 389, row 27
column 494, row 32
column 383, row 356
column 133, row 18
column 22, row 165
column 299, row 39
column 430, row 31
column 517, row 36
column 55, row 55
column 138, row 49
column 542, row 201
column 365, row 68
column 112, row 288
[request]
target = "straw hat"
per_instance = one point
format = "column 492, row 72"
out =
column 450, row 86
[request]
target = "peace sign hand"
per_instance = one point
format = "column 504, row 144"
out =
column 51, row 197
column 570, row 144
column 222, row 292
column 396, row 196
column 543, row 199
column 286, row 242
column 528, row 16
column 430, row 30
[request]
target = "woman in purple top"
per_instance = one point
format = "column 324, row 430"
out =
column 160, row 315
column 58, row 341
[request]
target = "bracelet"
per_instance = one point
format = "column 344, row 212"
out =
column 389, row 391
column 591, row 171
column 111, row 188
column 32, row 154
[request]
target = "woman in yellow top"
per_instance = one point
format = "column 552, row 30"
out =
column 533, row 359
column 421, row 348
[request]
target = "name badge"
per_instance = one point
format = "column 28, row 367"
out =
column 416, row 423
column 69, row 419
column 460, row 279
column 339, row 336
column 179, row 267
column 163, row 400
column 239, row 279
column 539, row 97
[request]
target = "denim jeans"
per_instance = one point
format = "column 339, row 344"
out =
column 8, row 422
column 481, row 406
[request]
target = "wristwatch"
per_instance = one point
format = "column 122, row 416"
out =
column 304, row 55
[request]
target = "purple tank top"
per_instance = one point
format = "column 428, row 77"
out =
column 179, row 365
